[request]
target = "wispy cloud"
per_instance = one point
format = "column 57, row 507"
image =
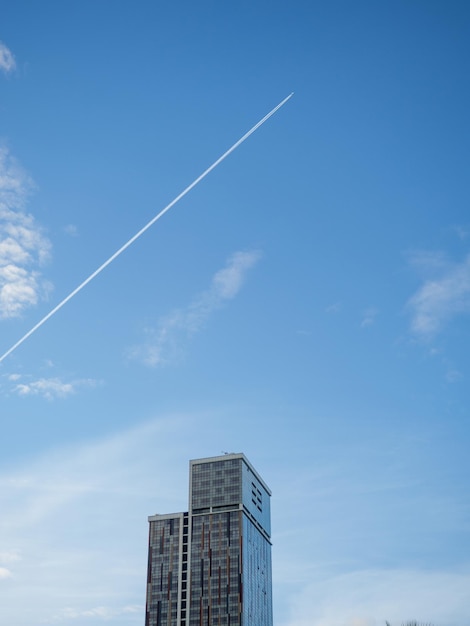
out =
column 165, row 341
column 453, row 376
column 444, row 294
column 368, row 317
column 67, row 510
column 333, row 308
column 369, row 597
column 7, row 60
column 101, row 612
column 71, row 230
column 49, row 388
column 462, row 232
column 9, row 557
column 23, row 246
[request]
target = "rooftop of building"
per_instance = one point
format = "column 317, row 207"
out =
column 227, row 456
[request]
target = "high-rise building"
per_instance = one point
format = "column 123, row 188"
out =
column 211, row 566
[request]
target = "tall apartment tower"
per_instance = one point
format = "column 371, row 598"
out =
column 211, row 566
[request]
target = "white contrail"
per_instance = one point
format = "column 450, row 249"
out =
column 142, row 230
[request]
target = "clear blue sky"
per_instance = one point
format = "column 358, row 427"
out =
column 307, row 304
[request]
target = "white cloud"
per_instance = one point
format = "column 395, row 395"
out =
column 7, row 60
column 23, row 246
column 4, row 573
column 164, row 342
column 228, row 281
column 10, row 556
column 442, row 297
column 51, row 388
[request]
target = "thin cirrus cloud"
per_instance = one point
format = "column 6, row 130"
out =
column 9, row 557
column 23, row 246
column 7, row 60
column 369, row 597
column 442, row 296
column 165, row 341
column 99, row 612
column 60, row 561
column 71, row 230
column 368, row 317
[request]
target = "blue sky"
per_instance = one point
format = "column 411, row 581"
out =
column 307, row 304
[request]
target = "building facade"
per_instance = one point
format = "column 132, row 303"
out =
column 211, row 566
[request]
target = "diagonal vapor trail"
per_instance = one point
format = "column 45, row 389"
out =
column 146, row 227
